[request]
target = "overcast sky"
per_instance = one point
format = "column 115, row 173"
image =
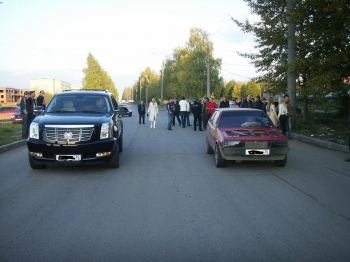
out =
column 49, row 38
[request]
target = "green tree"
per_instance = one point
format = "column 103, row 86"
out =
column 95, row 77
column 185, row 73
column 322, row 44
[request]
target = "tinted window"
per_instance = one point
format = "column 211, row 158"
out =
column 79, row 103
column 244, row 119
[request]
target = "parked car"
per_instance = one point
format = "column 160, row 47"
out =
column 244, row 134
column 77, row 127
column 16, row 117
column 6, row 112
column 124, row 110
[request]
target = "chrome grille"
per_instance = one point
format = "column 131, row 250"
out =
column 68, row 134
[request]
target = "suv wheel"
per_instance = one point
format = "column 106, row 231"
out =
column 219, row 161
column 120, row 143
column 114, row 160
column 32, row 163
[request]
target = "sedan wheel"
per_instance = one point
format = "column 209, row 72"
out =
column 219, row 161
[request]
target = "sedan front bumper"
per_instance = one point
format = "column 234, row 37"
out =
column 239, row 154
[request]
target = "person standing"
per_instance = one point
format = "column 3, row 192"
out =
column 141, row 109
column 247, row 102
column 183, row 111
column 152, row 112
column 24, row 114
column 177, row 113
column 289, row 116
column 204, row 112
column 197, row 118
column 224, row 103
column 258, row 104
column 170, row 107
column 271, row 111
column 211, row 106
column 283, row 116
column 188, row 112
column 30, row 107
column 40, row 101
column 348, row 160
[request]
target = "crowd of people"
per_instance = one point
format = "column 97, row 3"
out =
column 27, row 105
column 179, row 110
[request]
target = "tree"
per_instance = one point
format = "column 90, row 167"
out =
column 322, row 44
column 95, row 77
column 128, row 94
column 185, row 73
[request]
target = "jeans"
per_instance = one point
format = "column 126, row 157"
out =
column 170, row 120
column 177, row 116
column 188, row 118
column 197, row 118
column 25, row 126
column 183, row 118
column 142, row 117
column 284, row 124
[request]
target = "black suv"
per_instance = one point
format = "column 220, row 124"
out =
column 77, row 127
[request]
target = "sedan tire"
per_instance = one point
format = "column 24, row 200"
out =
column 219, row 161
column 209, row 150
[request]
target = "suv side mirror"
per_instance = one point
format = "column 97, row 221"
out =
column 118, row 112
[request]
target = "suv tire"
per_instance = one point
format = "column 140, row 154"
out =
column 113, row 162
column 33, row 165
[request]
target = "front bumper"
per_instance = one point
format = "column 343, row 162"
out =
column 238, row 154
column 87, row 151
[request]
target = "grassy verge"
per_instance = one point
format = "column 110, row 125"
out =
column 335, row 132
column 10, row 133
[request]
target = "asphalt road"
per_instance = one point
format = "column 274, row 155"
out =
column 168, row 202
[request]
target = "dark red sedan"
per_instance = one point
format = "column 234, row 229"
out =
column 243, row 134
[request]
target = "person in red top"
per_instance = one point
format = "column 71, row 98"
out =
column 211, row 106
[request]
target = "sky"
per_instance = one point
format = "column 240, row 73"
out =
column 51, row 39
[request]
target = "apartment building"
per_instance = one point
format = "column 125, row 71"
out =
column 10, row 94
column 51, row 86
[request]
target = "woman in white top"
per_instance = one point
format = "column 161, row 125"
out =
column 283, row 116
column 153, row 112
column 271, row 111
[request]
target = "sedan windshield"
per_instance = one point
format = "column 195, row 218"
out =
column 80, row 103
column 244, row 119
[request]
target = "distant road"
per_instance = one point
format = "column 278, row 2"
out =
column 168, row 202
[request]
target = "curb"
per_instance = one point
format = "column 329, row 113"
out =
column 321, row 143
column 12, row 145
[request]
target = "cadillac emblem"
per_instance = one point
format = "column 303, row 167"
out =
column 68, row 135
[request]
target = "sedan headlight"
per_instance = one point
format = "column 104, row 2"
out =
column 34, row 130
column 105, row 131
column 232, row 143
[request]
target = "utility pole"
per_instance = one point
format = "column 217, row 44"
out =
column 140, row 89
column 291, row 54
column 162, row 86
column 146, row 86
column 208, row 79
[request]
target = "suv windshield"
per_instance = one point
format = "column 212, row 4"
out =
column 244, row 119
column 79, row 103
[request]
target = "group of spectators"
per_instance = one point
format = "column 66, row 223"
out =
column 179, row 110
column 27, row 107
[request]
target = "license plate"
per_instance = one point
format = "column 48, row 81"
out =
column 68, row 157
column 257, row 152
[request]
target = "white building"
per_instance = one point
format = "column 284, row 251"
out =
column 51, row 86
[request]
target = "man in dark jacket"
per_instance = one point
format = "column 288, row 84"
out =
column 258, row 104
column 24, row 114
column 30, row 107
column 197, row 114
column 177, row 113
column 247, row 102
column 171, row 112
column 40, row 100
column 224, row 103
column 204, row 112
column 141, row 109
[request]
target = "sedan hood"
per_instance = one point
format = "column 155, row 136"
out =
column 72, row 119
column 252, row 133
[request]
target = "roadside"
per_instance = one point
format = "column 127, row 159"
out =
column 9, row 133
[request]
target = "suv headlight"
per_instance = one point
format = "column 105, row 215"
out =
column 34, row 130
column 105, row 130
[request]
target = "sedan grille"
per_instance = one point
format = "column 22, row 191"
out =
column 256, row 145
column 65, row 134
